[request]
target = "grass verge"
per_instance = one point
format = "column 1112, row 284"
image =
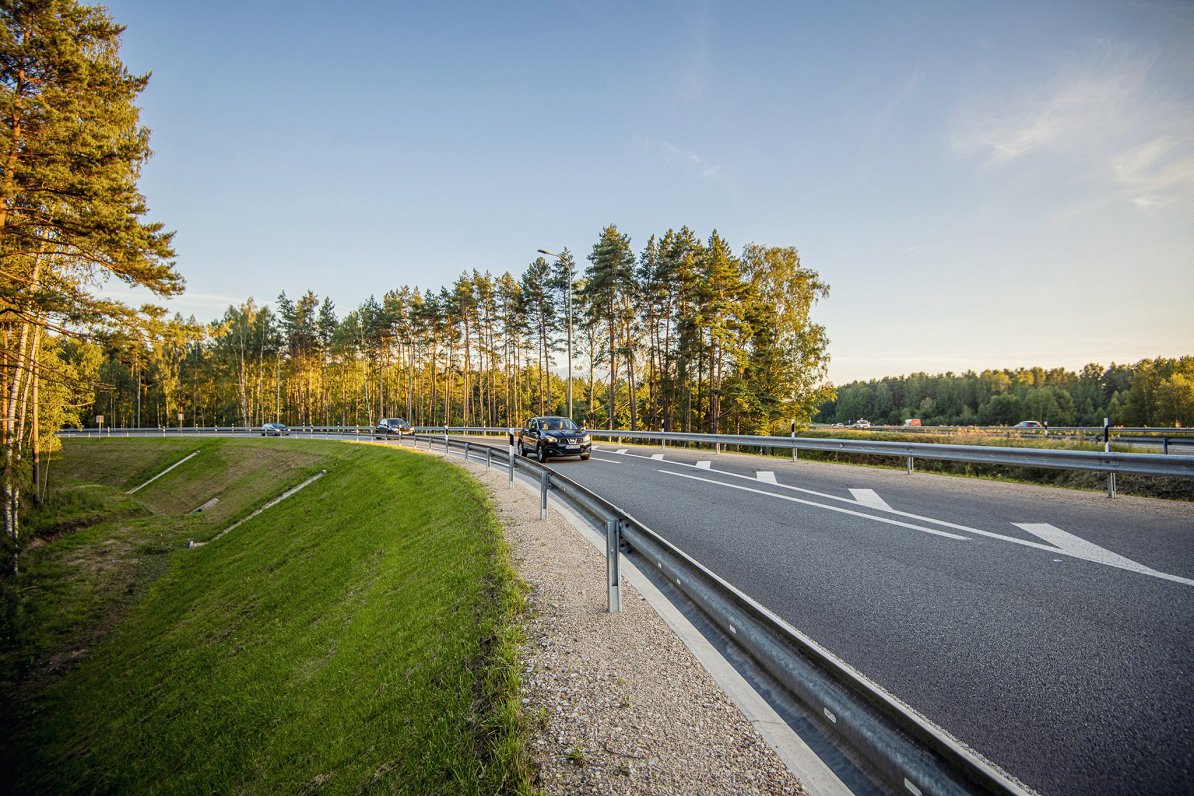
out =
column 361, row 635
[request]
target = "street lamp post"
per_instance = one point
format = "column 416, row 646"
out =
column 569, row 310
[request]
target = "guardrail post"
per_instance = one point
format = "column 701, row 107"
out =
column 544, row 482
column 611, row 565
column 910, row 465
column 1110, row 485
column 1165, row 445
column 466, row 450
column 488, row 456
column 511, row 452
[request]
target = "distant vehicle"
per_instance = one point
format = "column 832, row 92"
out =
column 275, row 430
column 861, row 423
column 392, row 427
column 1029, row 424
column 553, row 436
column 912, row 422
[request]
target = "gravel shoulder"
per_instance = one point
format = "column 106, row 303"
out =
column 617, row 703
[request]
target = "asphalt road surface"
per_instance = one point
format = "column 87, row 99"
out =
column 1048, row 629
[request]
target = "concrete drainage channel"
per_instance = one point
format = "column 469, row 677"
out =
column 271, row 504
column 901, row 748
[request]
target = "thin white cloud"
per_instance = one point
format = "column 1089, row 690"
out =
column 671, row 153
column 1103, row 112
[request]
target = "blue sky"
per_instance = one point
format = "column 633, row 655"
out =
column 981, row 185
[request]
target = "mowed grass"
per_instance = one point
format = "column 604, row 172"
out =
column 359, row 636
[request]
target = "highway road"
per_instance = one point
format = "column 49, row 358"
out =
column 1048, row 629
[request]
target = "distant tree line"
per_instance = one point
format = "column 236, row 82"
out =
column 686, row 335
column 1152, row 392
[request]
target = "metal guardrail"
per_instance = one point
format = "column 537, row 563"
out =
column 1093, row 431
column 908, row 751
column 1110, row 463
column 1095, row 461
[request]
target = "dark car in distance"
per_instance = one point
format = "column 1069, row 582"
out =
column 392, row 427
column 553, row 436
column 274, row 430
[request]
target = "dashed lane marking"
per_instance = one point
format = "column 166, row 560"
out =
column 703, row 465
column 766, row 476
column 657, row 457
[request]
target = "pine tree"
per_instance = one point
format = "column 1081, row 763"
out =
column 71, row 150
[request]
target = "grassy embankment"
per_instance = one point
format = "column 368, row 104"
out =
column 360, row 635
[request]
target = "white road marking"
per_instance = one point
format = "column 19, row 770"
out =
column 657, row 457
column 1066, row 542
column 766, row 476
column 822, row 506
column 871, row 499
column 1131, row 566
column 704, row 465
column 1106, row 559
column 607, row 461
column 621, row 450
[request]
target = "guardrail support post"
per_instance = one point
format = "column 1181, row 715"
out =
column 544, row 482
column 1110, row 485
column 910, row 458
column 1165, row 445
column 488, row 456
column 511, row 452
column 466, row 450
column 611, row 565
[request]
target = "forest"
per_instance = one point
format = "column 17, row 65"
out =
column 685, row 335
column 1152, row 392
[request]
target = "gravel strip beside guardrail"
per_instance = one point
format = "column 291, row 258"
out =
column 617, row 702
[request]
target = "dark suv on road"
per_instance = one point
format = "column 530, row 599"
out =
column 392, row 427
column 553, row 436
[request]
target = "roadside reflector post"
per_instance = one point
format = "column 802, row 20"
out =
column 1107, row 449
column 544, row 483
column 611, row 565
column 511, row 468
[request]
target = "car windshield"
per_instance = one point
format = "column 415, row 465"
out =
column 558, row 424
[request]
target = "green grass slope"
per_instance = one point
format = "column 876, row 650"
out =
column 360, row 635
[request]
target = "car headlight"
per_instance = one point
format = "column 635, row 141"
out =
column 550, row 438
column 587, row 438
